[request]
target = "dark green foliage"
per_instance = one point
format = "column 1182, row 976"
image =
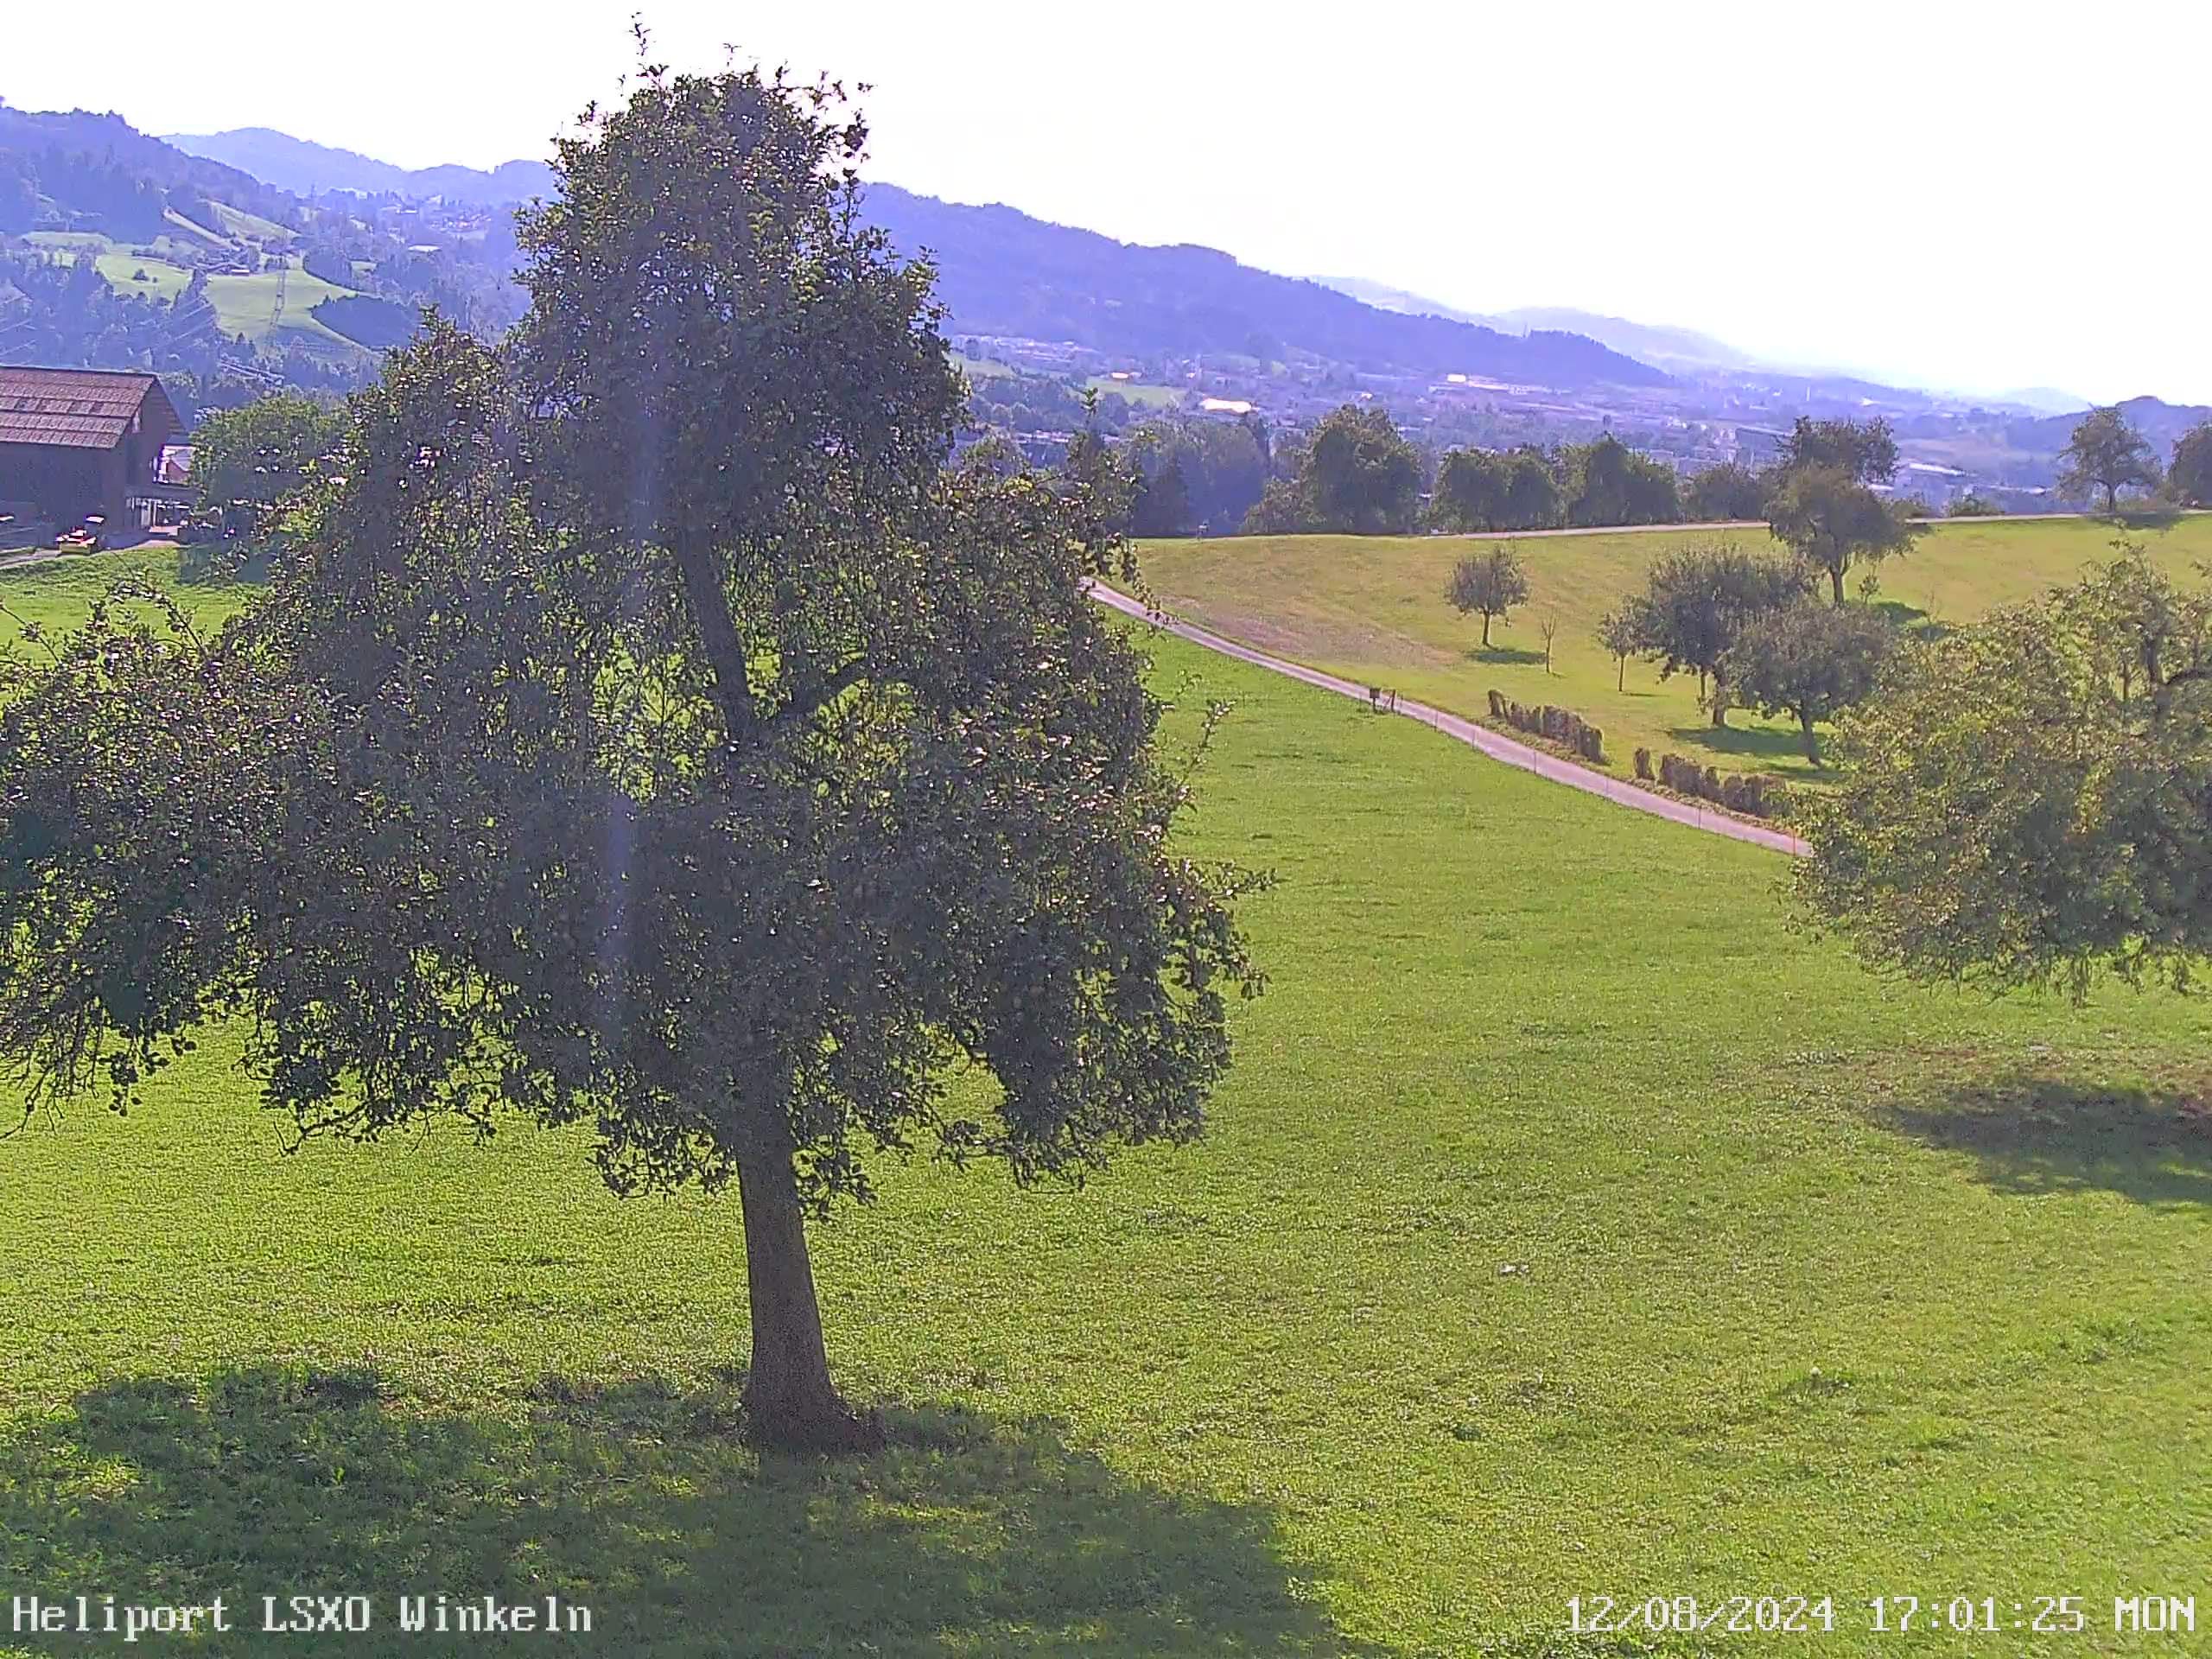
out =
column 1489, row 583
column 1863, row 450
column 1605, row 482
column 647, row 731
column 2105, row 454
column 1695, row 604
column 255, row 456
column 2025, row 801
column 1809, row 661
column 1477, row 490
column 1832, row 519
column 1358, row 475
column 1727, row 492
column 2189, row 477
column 1971, row 506
column 1199, row 476
column 379, row 325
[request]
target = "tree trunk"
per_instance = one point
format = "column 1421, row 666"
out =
column 1486, row 630
column 1812, row 743
column 1719, row 702
column 789, row 1402
column 1835, row 581
column 1620, row 680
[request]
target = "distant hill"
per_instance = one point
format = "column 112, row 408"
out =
column 1653, row 343
column 1383, row 297
column 1002, row 272
column 75, row 169
column 2156, row 419
column 1657, row 344
column 308, row 169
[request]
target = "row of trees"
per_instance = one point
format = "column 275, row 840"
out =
column 1358, row 474
column 1828, row 496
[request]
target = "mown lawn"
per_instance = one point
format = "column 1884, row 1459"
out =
column 55, row 595
column 1372, row 608
column 1570, row 1226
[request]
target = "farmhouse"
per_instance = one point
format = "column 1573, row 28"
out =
column 78, row 442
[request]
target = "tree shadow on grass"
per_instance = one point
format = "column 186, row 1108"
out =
column 2160, row 519
column 1759, row 742
column 968, row 1536
column 1505, row 656
column 1911, row 620
column 2036, row 1136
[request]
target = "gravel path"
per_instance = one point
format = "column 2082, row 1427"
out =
column 1497, row 747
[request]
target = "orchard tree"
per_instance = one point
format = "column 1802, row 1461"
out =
column 1697, row 602
column 1866, row 450
column 1726, row 494
column 1616, row 637
column 2028, row 801
column 1491, row 583
column 2106, row 453
column 256, row 455
column 649, row 731
column 1809, row 661
column 1833, row 520
column 2189, row 477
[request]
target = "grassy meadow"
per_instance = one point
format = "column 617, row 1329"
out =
column 1372, row 609
column 1569, row 1226
column 244, row 305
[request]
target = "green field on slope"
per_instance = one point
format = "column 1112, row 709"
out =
column 1372, row 609
column 1568, row 1227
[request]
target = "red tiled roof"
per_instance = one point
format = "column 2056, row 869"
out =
column 70, row 409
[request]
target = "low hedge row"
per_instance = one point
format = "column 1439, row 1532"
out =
column 1748, row 793
column 1560, row 725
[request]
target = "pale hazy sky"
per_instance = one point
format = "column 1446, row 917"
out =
column 1980, row 196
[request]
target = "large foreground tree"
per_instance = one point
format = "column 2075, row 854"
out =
column 647, row 731
column 2026, row 802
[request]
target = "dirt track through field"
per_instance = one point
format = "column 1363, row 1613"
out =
column 1493, row 744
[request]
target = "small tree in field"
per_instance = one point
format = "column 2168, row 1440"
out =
column 1616, row 637
column 1490, row 583
column 1548, row 630
column 648, row 732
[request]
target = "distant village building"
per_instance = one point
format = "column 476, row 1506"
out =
column 76, row 443
column 1757, row 446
